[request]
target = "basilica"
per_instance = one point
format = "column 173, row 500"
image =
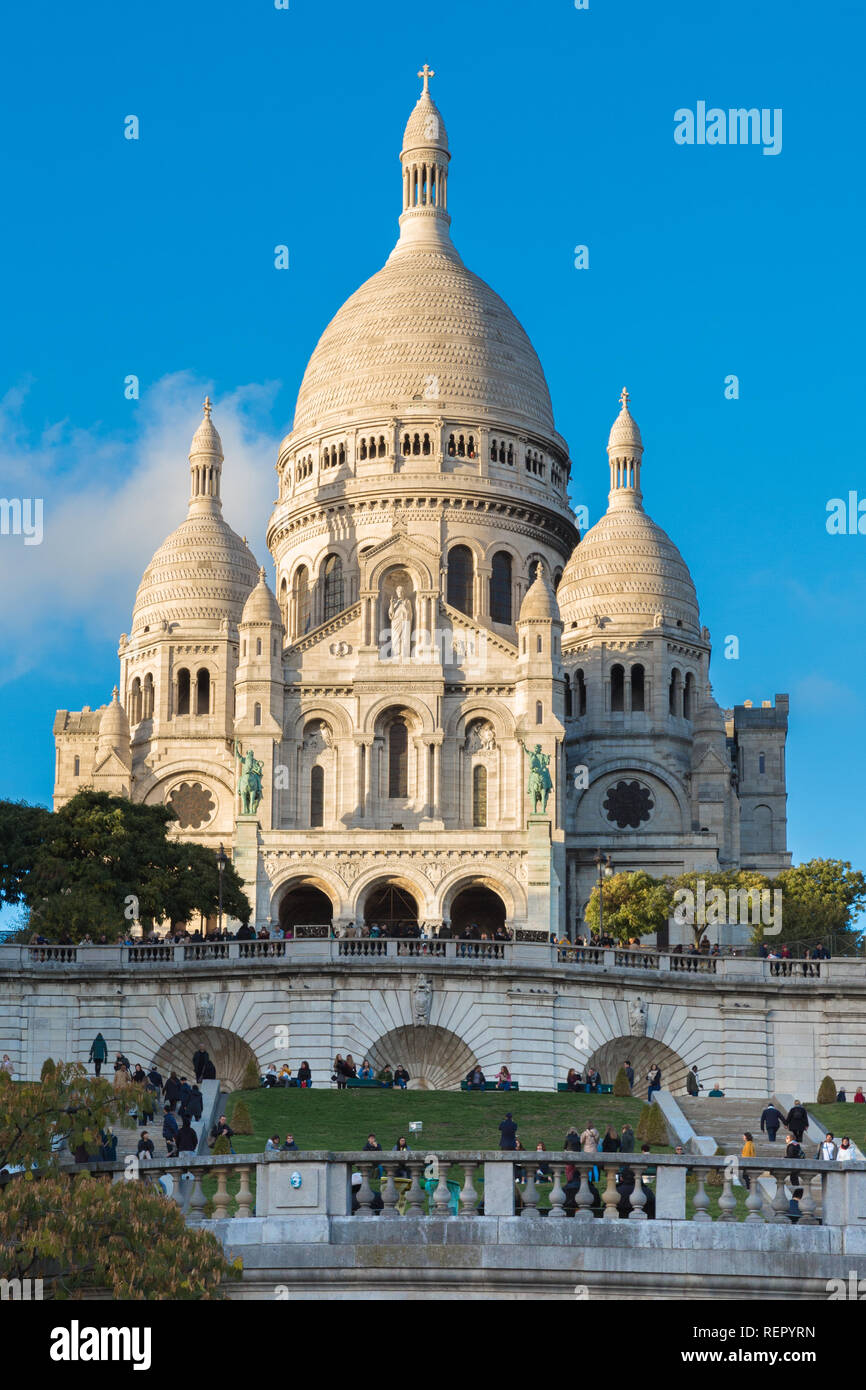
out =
column 455, row 702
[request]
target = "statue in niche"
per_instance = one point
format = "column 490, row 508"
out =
column 480, row 738
column 422, row 998
column 637, row 1018
column 400, row 615
column 318, row 738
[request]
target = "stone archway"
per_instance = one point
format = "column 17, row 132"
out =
column 477, row 909
column 392, row 906
column 228, row 1052
column 305, row 904
column 435, row 1058
column 642, row 1053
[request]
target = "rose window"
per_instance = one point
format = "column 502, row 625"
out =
column 628, row 804
column 192, row 804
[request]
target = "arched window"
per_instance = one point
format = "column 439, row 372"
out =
column 416, row 444
column 539, row 645
column 637, row 687
column 493, row 450
column 284, row 604
column 479, row 796
column 407, row 445
column 202, row 691
column 674, row 695
column 135, row 701
column 398, row 760
column 568, row 697
column 76, row 769
column 617, row 688
column 460, row 579
column 381, row 446
column 362, row 453
column 500, row 588
column 258, row 646
column 301, row 589
column 183, row 691
column 317, row 797
column 426, row 445
column 452, row 448
column 762, row 763
column 539, row 712
column 333, row 578
column 257, row 714
column 689, row 697
column 147, row 697
column 581, row 692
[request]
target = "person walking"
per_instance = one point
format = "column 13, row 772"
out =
column 771, row 1121
column 589, row 1139
column 171, row 1091
column 169, row 1132
column 199, row 1060
column 797, row 1120
column 629, row 1073
column 508, row 1132
column 98, row 1053
column 747, row 1151
column 693, row 1085
column 626, row 1140
column 187, row 1139
column 121, row 1071
column 654, row 1082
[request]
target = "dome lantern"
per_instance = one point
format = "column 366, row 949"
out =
column 205, row 466
column 625, row 451
column 424, row 158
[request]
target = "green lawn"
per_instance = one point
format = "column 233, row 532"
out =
column 340, row 1120
column 845, row 1119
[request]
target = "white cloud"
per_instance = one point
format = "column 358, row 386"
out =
column 109, row 500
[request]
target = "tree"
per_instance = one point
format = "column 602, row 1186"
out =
column 827, row 1092
column 252, row 1076
column 635, row 904
column 22, row 830
column 77, row 1232
column 241, row 1120
column 651, row 1127
column 820, row 901
column 102, row 862
column 702, row 899
column 620, row 1084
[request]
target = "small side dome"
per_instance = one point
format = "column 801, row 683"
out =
column 262, row 606
column 539, row 601
column 114, row 726
column 624, row 432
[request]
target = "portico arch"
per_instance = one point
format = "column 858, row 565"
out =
column 305, row 893
column 643, row 1053
column 435, row 1058
column 229, row 1053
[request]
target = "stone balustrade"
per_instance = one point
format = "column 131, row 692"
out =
column 582, row 1186
column 320, row 949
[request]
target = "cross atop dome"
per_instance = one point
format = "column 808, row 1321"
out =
column 624, row 398
column 207, row 407
column 426, row 72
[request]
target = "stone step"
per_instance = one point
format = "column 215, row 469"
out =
column 726, row 1121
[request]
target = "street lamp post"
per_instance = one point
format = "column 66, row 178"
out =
column 222, row 860
column 604, row 864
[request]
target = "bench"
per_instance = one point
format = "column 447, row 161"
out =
column 355, row 1082
column 488, row 1086
column 583, row 1086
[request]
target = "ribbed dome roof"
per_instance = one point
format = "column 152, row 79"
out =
column 425, row 128
column 203, row 570
column 539, row 601
column 425, row 317
column 113, row 724
column 262, row 606
column 626, row 569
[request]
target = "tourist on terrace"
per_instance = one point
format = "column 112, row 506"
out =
column 386, row 1076
column 747, row 1151
column 270, row 1076
column 716, row 1093
column 573, row 1079
column 846, row 1151
column 542, row 1171
column 171, row 1091
column 284, row 1076
column 797, row 1120
column 475, row 1079
column 629, row 1073
column 610, row 1143
column 339, row 1072
column 169, row 1132
column 154, row 1076
column 7, row 1064
column 401, row 1077
column 859, row 1098
column 305, row 1076
column 793, row 1150
column 290, row 1143
column 199, row 1057
column 827, row 1149
column 195, row 1103
column 273, row 1144
column 373, row 1146
column 121, row 1071
column 145, row 1145
column 221, row 1130
column 626, row 1140
column 503, row 1079
column 97, row 1055
column 593, row 1079
column 589, row 1139
column 401, row 1147
column 365, row 1071
column 771, row 1121
column 187, row 1139
column 508, row 1132
column 693, row 1085
column 654, row 1082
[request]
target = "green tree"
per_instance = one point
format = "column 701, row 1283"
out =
column 713, row 890
column 241, row 1120
column 820, row 901
column 22, row 830
column 620, row 1084
column 652, row 1127
column 827, row 1092
column 635, row 904
column 80, row 1233
column 102, row 861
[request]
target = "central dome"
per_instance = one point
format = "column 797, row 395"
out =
column 425, row 330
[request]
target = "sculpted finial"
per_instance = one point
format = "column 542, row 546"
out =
column 207, row 407
column 624, row 398
column 426, row 72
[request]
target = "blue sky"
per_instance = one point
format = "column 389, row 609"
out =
column 261, row 126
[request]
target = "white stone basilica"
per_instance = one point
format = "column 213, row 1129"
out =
column 434, row 613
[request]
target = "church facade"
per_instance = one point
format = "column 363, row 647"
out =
column 451, row 700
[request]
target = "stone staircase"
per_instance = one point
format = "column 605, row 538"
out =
column 726, row 1121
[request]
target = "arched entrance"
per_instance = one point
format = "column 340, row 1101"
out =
column 305, row 905
column 228, row 1052
column 435, row 1058
column 477, row 911
column 393, row 908
column 642, row 1053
